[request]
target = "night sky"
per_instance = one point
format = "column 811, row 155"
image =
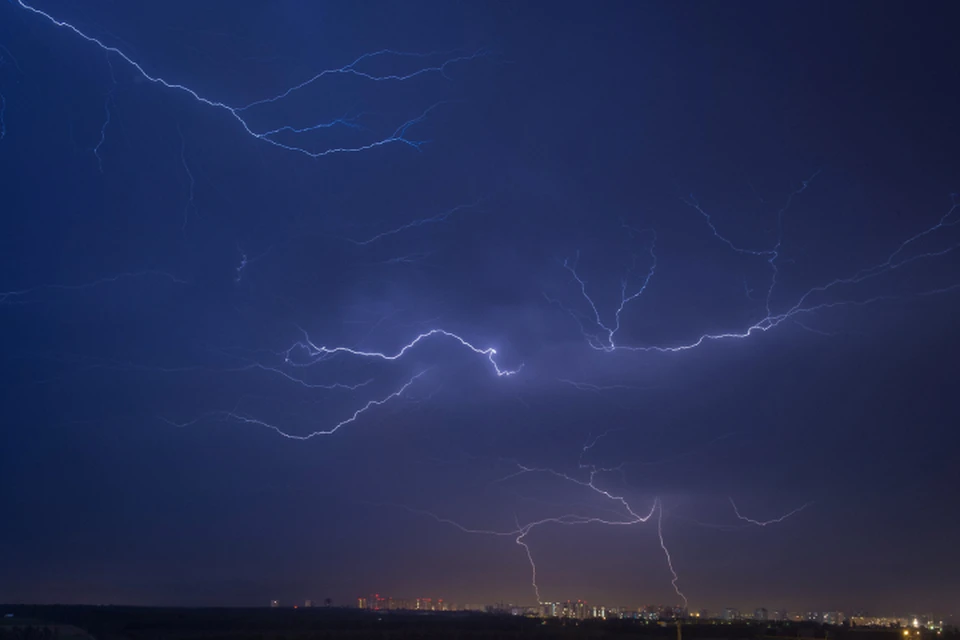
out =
column 171, row 266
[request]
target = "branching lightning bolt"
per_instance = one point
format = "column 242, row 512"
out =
column 625, row 514
column 317, row 354
column 239, row 113
column 770, row 254
column 236, row 415
column 523, row 530
column 320, row 352
column 604, row 339
column 351, row 69
column 629, row 516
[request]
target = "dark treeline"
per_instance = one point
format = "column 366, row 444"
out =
column 34, row 631
column 132, row 623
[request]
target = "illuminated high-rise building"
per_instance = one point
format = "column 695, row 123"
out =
column 581, row 611
column 760, row 615
column 833, row 617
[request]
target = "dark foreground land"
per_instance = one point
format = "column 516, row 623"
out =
column 134, row 623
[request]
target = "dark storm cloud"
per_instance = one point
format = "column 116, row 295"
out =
column 580, row 121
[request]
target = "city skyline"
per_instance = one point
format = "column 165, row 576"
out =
column 583, row 609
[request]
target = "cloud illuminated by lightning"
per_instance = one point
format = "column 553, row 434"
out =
column 600, row 330
column 603, row 337
column 603, row 334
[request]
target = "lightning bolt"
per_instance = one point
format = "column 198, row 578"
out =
column 596, row 340
column 106, row 122
column 245, row 261
column 192, row 183
column 533, row 565
column 628, row 515
column 521, row 531
column 443, row 216
column 604, row 339
column 241, row 266
column 16, row 64
column 236, row 415
column 351, row 69
column 666, row 552
column 624, row 514
column 103, row 130
column 239, row 113
column 410, row 258
column 764, row 523
column 90, row 364
column 22, row 296
column 596, row 388
column 771, row 254
column 3, row 99
column 316, row 352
